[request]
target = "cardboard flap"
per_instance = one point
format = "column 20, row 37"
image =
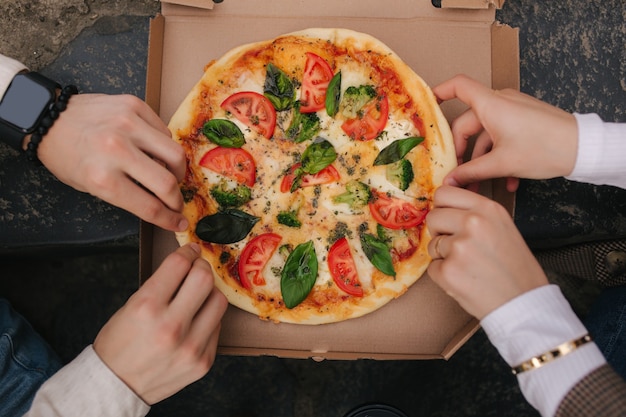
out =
column 402, row 9
column 200, row 4
column 471, row 4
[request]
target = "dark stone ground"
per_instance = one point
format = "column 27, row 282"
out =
column 572, row 55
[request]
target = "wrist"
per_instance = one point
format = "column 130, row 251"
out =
column 31, row 144
column 29, row 107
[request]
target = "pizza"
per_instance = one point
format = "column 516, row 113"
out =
column 312, row 162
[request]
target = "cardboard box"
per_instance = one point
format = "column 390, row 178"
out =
column 437, row 43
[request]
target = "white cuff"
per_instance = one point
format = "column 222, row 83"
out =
column 601, row 157
column 86, row 386
column 8, row 68
column 532, row 324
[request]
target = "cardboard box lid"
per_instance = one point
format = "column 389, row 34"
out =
column 437, row 43
column 459, row 4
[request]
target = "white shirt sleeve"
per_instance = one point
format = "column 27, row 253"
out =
column 601, row 157
column 86, row 387
column 8, row 68
column 519, row 335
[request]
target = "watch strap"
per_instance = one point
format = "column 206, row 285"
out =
column 11, row 136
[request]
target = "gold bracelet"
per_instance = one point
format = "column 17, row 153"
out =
column 560, row 350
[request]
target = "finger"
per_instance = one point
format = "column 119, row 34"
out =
column 444, row 221
column 435, row 272
column 156, row 178
column 464, row 88
column 454, row 197
column 463, row 128
column 146, row 113
column 166, row 280
column 127, row 195
column 482, row 145
column 512, row 184
column 206, row 325
column 193, row 292
column 210, row 347
column 434, row 247
column 485, row 167
column 164, row 149
column 154, row 137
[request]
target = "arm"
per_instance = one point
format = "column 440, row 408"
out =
column 160, row 341
column 521, row 137
column 86, row 386
column 481, row 260
column 115, row 148
column 601, row 152
column 517, row 136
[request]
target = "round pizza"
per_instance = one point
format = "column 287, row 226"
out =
column 312, row 162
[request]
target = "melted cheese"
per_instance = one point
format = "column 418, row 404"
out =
column 318, row 213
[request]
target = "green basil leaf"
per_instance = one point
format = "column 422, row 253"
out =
column 299, row 274
column 303, row 126
column 223, row 227
column 378, row 253
column 223, row 133
column 318, row 156
column 333, row 94
column 278, row 88
column 397, row 150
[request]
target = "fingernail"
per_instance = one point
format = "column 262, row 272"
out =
column 183, row 225
column 450, row 181
column 195, row 247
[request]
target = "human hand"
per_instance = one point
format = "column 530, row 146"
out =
column 518, row 136
column 479, row 257
column 117, row 149
column 165, row 336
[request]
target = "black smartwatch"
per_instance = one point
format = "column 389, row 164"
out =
column 27, row 100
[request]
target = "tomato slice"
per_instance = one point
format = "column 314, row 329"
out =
column 372, row 121
column 254, row 110
column 343, row 269
column 254, row 257
column 317, row 76
column 396, row 213
column 325, row 176
column 234, row 163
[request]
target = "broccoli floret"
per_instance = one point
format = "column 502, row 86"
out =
column 304, row 126
column 231, row 197
column 400, row 174
column 355, row 98
column 357, row 195
column 289, row 218
column 382, row 233
column 285, row 250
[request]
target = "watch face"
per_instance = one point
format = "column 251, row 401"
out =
column 24, row 102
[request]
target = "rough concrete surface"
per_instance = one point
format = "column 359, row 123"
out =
column 34, row 32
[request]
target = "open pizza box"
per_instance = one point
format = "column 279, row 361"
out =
column 460, row 36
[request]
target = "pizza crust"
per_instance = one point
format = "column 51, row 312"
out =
column 228, row 69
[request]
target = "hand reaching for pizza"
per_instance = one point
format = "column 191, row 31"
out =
column 116, row 148
column 166, row 335
column 479, row 257
column 518, row 136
